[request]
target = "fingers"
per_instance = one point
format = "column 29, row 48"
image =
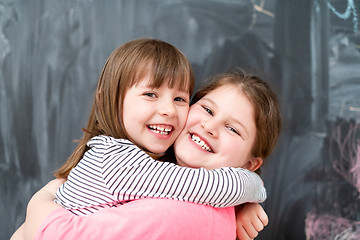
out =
column 250, row 220
column 252, row 233
column 242, row 234
column 263, row 216
column 249, row 229
column 258, row 225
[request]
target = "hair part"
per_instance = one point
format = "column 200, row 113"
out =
column 127, row 66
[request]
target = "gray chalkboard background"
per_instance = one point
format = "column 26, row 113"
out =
column 52, row 52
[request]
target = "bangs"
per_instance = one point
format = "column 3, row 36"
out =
column 164, row 67
column 175, row 76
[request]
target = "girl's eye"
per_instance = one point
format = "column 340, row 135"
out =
column 233, row 130
column 180, row 99
column 208, row 110
column 150, row 94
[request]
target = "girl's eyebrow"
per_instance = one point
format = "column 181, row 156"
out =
column 209, row 100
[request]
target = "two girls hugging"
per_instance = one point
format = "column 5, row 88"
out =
column 152, row 165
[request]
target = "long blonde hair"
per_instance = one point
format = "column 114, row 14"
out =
column 125, row 67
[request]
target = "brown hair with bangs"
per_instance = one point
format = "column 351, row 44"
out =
column 265, row 103
column 125, row 67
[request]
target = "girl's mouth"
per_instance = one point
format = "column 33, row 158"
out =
column 201, row 143
column 160, row 129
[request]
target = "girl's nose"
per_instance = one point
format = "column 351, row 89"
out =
column 210, row 126
column 167, row 108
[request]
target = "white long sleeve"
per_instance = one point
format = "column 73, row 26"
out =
column 114, row 170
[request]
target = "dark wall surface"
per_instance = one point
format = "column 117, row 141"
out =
column 52, row 52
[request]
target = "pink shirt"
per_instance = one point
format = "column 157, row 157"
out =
column 143, row 219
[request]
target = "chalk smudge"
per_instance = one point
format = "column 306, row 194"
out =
column 345, row 151
column 327, row 227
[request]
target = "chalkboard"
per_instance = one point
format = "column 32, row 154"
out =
column 52, row 52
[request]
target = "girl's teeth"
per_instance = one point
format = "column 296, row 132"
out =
column 160, row 130
column 201, row 143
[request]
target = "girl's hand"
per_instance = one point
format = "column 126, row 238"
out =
column 250, row 220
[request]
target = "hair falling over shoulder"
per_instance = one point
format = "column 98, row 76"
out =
column 79, row 151
column 125, row 67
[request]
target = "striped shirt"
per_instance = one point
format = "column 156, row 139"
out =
column 114, row 171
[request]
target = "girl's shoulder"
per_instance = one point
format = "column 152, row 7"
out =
column 103, row 146
column 108, row 141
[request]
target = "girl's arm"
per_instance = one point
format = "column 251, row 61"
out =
column 19, row 233
column 127, row 173
column 40, row 206
column 250, row 220
column 138, row 176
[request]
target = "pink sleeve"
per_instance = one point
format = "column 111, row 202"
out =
column 143, row 219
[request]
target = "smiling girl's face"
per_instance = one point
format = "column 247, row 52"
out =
column 220, row 132
column 154, row 117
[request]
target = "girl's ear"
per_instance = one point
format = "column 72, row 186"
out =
column 254, row 163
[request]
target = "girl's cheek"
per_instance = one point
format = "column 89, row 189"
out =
column 184, row 116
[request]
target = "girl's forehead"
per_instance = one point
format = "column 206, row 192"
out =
column 224, row 90
column 228, row 97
